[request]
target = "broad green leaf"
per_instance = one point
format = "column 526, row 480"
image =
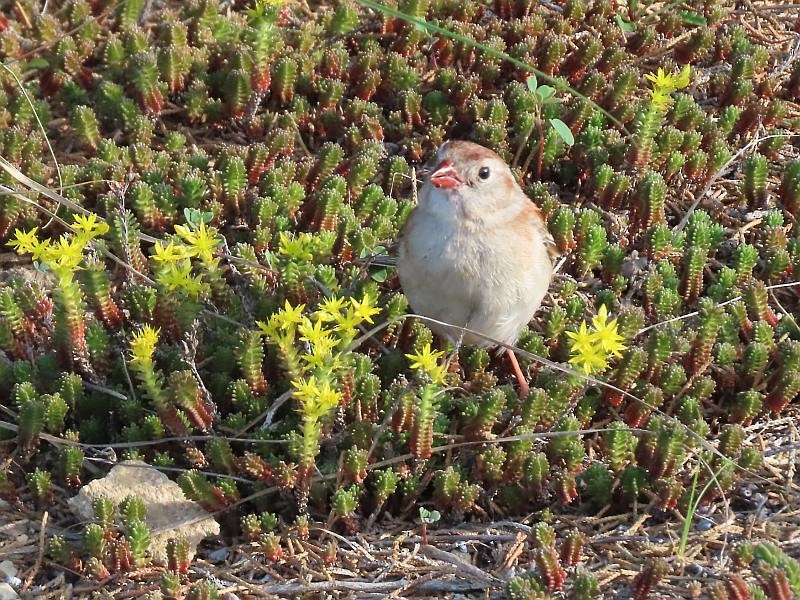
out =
column 380, row 275
column 624, row 25
column 429, row 516
column 545, row 92
column 194, row 216
column 563, row 131
column 532, row 83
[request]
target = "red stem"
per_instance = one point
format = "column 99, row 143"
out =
column 539, row 158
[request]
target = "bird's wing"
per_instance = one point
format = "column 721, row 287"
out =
column 377, row 260
column 549, row 242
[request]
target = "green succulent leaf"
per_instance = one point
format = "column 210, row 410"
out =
column 691, row 17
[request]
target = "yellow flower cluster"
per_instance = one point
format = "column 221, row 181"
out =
column 426, row 361
column 325, row 334
column 664, row 85
column 175, row 272
column 317, row 398
column 65, row 254
column 333, row 325
column 592, row 348
column 143, row 346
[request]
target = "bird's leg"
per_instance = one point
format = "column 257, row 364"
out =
column 453, row 355
column 524, row 388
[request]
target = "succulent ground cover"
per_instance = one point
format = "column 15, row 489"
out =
column 196, row 202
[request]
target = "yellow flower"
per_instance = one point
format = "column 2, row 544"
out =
column 65, row 255
column 321, row 354
column 589, row 360
column 143, row 345
column 682, row 80
column 660, row 79
column 289, row 316
column 666, row 84
column 168, row 253
column 426, row 361
column 43, row 251
column 24, row 242
column 348, row 322
column 328, row 397
column 660, row 99
column 591, row 349
column 330, row 309
column 363, row 309
column 89, row 225
column 316, row 399
column 284, row 321
column 202, row 243
column 178, row 276
column 606, row 333
column 314, row 334
column 306, row 388
column 582, row 340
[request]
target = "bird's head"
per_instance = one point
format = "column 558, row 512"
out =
column 467, row 181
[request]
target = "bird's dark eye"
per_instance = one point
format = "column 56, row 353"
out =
column 484, row 172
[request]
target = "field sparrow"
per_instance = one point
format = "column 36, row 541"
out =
column 475, row 251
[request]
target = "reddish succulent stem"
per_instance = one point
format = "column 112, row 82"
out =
column 540, row 158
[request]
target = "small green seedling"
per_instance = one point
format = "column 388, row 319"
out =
column 194, row 217
column 427, row 517
column 545, row 94
column 625, row 26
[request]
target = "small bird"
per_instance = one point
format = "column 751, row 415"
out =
column 475, row 251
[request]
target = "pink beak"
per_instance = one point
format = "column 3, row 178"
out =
column 445, row 176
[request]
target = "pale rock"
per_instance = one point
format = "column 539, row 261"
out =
column 7, row 569
column 219, row 555
column 169, row 513
column 7, row 592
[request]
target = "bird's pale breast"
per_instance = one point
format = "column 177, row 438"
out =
column 489, row 281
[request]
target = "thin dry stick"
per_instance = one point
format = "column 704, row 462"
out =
column 722, row 170
column 40, row 555
column 695, row 313
column 59, row 199
column 142, row 443
column 559, row 367
column 41, row 126
column 108, row 461
column 465, row 567
column 397, row 460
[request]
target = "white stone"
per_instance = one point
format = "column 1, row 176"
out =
column 7, row 592
column 169, row 513
column 7, row 569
